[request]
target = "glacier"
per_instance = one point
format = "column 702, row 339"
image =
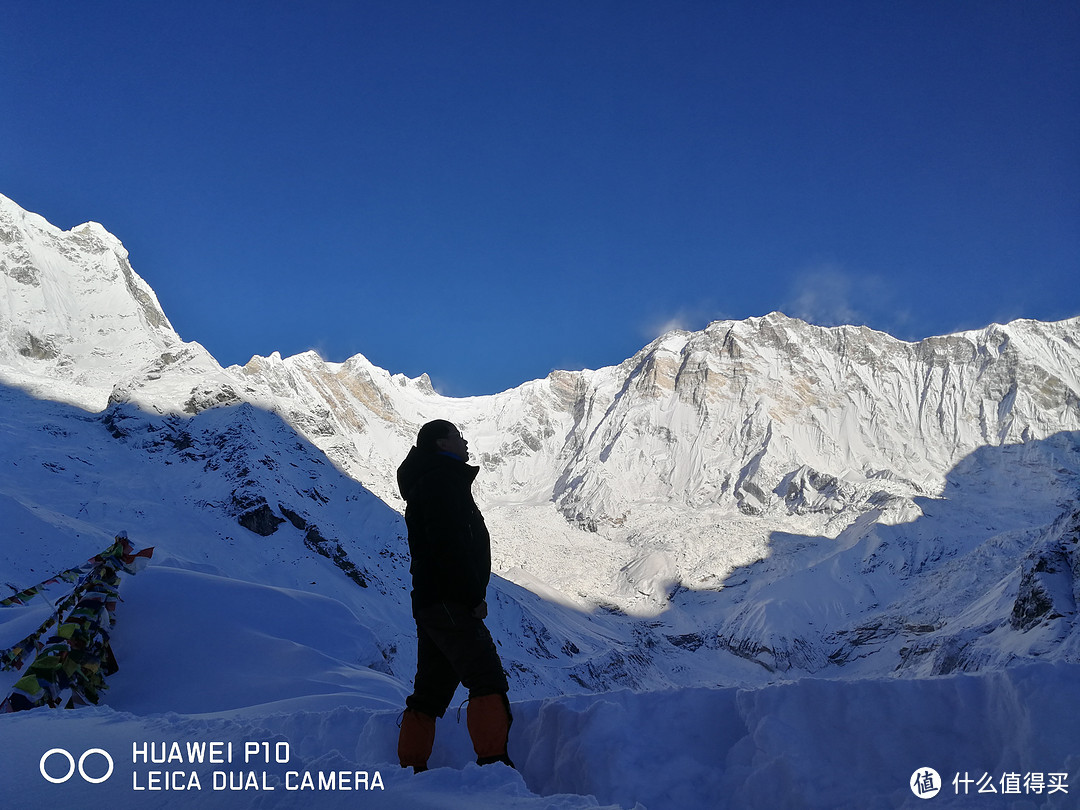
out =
column 766, row 564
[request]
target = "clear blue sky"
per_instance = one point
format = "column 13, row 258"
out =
column 486, row 191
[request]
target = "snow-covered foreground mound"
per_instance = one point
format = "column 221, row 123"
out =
column 811, row 743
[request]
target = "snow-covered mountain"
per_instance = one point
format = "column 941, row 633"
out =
column 75, row 334
column 749, row 505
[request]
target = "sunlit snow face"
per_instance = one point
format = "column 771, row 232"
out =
column 455, row 443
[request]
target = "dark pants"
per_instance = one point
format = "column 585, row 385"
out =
column 453, row 647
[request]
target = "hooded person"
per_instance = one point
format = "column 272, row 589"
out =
column 450, row 551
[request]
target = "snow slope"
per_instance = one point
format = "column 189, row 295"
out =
column 762, row 565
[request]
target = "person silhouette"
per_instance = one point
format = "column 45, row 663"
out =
column 450, row 551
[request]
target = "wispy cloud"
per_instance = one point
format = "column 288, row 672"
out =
column 825, row 296
column 686, row 318
column 830, row 295
column 680, row 320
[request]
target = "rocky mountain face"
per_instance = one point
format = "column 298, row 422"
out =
column 775, row 413
column 761, row 495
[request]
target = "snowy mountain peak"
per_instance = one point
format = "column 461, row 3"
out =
column 765, row 397
column 75, row 318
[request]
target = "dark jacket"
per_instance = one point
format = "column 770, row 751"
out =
column 448, row 539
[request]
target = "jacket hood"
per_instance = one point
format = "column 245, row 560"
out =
column 420, row 463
